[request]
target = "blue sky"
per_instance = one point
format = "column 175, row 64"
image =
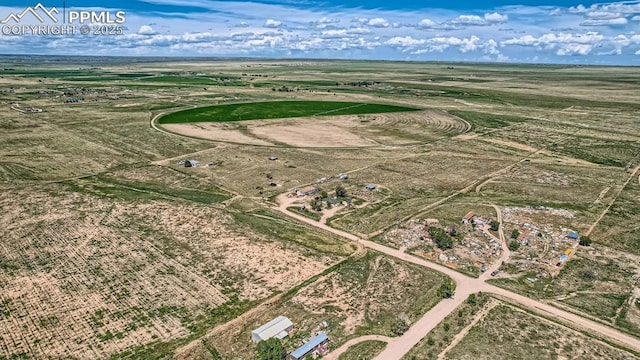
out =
column 549, row 31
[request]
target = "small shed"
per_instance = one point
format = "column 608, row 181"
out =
column 305, row 191
column 309, row 346
column 467, row 218
column 273, row 158
column 343, row 176
column 279, row 327
column 573, row 235
column 370, row 187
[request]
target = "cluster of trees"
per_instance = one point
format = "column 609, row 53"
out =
column 440, row 237
column 514, row 246
column 585, row 241
column 316, row 204
column 400, row 327
column 447, row 289
column 271, row 349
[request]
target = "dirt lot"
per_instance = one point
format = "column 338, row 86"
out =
column 98, row 276
column 364, row 295
column 529, row 337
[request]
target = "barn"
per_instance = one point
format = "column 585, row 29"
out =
column 279, row 327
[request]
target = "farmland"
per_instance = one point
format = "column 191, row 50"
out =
column 274, row 110
column 113, row 247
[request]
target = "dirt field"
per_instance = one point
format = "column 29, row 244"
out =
column 529, row 337
column 100, row 276
column 111, row 247
column 364, row 295
column 328, row 132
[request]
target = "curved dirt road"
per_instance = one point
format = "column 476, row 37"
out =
column 465, row 286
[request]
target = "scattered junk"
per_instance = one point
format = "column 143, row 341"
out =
column 573, row 235
column 306, row 191
column 279, row 328
column 316, row 344
column 33, row 110
column 321, row 180
column 532, row 280
column 211, row 164
column 74, row 100
column 343, row 176
column 563, row 259
column 567, row 252
column 467, row 218
column 370, row 187
column 273, row 158
column 191, row 163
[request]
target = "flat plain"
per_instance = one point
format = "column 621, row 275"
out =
column 112, row 248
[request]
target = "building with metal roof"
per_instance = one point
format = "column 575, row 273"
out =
column 276, row 328
column 309, row 346
column 573, row 235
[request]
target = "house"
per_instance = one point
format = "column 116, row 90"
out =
column 370, row 187
column 279, row 327
column 306, row 191
column 467, row 218
column 315, row 343
column 523, row 235
column 573, row 235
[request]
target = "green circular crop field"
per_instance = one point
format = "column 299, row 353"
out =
column 276, row 110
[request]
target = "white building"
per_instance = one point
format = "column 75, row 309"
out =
column 278, row 328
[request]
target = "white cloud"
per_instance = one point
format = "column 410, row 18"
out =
column 427, row 23
column 146, row 30
column 404, row 41
column 475, row 20
column 495, row 18
column 574, row 49
column 637, row 52
column 555, row 12
column 270, row 23
column 602, row 15
column 378, row 22
column 605, row 22
column 636, row 18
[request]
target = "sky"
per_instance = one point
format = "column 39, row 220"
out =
column 522, row 31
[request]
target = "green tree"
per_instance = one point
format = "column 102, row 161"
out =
column 515, row 233
column 446, row 289
column 514, row 246
column 341, row 191
column 495, row 225
column 472, row 300
column 585, row 241
column 441, row 238
column 271, row 349
column 324, row 194
column 399, row 327
column 316, row 205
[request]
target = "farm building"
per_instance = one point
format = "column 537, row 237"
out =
column 191, row 163
column 317, row 342
column 279, row 327
column 573, row 235
column 308, row 190
column 370, row 187
column 467, row 218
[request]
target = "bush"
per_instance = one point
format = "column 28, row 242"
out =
column 585, row 241
column 514, row 246
column 341, row 192
column 271, row 349
column 495, row 225
column 515, row 233
column 399, row 327
column 446, row 289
